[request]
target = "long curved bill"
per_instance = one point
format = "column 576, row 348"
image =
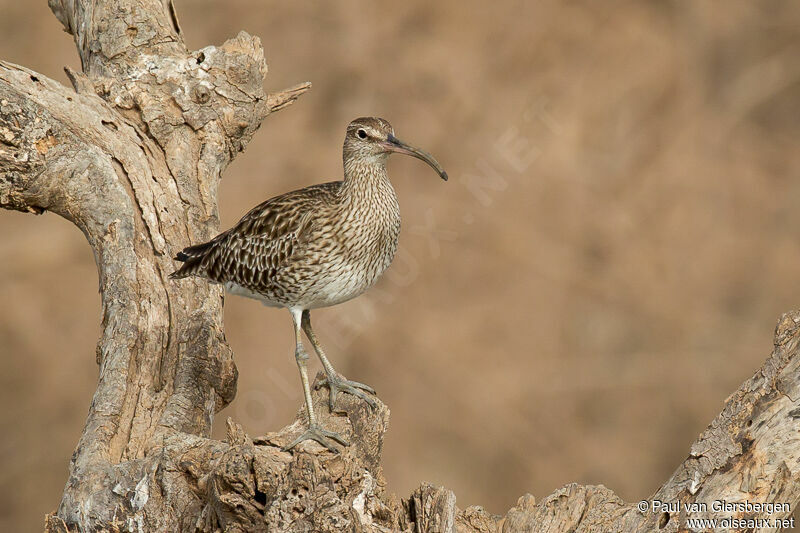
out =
column 393, row 144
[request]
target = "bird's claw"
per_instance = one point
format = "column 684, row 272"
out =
column 320, row 435
column 336, row 384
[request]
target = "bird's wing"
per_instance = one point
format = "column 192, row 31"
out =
column 264, row 239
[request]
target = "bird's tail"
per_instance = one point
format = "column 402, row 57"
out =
column 192, row 258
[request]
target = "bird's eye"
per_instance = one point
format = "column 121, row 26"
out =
column 362, row 134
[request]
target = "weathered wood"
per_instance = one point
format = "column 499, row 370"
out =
column 133, row 155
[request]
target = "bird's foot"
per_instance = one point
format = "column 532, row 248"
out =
column 337, row 383
column 316, row 433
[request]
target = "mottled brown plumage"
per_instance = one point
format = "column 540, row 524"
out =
column 315, row 247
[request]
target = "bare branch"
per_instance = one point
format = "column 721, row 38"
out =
column 748, row 453
column 50, row 137
column 751, row 449
column 281, row 99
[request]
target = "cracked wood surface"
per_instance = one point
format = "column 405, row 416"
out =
column 133, row 154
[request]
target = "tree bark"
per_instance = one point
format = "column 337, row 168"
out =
column 133, row 155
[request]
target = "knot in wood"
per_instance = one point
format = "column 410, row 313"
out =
column 201, row 94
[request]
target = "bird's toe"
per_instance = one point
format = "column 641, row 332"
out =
column 338, row 384
column 321, row 436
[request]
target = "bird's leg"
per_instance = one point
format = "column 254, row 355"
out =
column 315, row 431
column 334, row 380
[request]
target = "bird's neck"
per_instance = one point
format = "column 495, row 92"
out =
column 368, row 195
column 366, row 178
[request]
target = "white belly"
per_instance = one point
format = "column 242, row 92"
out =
column 238, row 290
column 349, row 282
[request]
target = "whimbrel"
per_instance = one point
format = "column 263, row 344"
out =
column 315, row 247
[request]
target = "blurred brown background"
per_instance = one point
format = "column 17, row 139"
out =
column 607, row 263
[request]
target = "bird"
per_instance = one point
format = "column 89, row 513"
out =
column 315, row 247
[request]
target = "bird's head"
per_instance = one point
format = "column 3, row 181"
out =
column 373, row 138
